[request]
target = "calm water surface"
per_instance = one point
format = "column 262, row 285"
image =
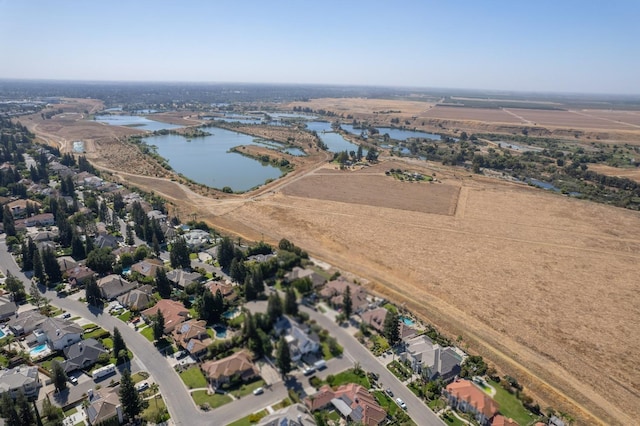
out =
column 136, row 121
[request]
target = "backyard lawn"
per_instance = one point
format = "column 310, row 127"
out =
column 194, row 378
column 510, row 406
column 215, row 400
column 107, row 342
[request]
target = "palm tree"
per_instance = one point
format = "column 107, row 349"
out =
column 154, row 390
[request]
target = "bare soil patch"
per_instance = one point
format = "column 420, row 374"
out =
column 472, row 114
column 568, row 119
column 377, row 190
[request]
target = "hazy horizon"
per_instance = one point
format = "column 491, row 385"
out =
column 543, row 47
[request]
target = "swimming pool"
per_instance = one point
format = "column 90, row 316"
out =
column 38, row 349
column 231, row 314
column 221, row 331
column 2, row 334
column 407, row 321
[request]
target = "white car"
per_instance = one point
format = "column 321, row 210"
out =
column 401, row 403
column 142, row 387
column 258, row 391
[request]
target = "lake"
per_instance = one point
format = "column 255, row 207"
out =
column 397, row 134
column 334, row 141
column 137, row 121
column 206, row 160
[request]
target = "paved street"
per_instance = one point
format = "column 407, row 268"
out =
column 179, row 402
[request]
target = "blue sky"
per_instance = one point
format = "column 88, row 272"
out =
column 549, row 46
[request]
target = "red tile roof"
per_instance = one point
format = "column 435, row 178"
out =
column 467, row 391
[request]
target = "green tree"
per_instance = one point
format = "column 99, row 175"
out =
column 36, row 296
column 27, row 258
column 391, row 327
column 274, row 307
column 101, row 260
column 290, row 302
column 77, row 248
column 93, row 296
column 347, row 303
column 163, row 284
column 129, row 397
column 179, row 254
column 51, row 266
column 226, row 253
column 38, row 268
column 8, row 410
column 158, row 326
column 53, row 415
column 130, row 240
column 15, row 287
column 27, row 418
column 58, row 376
column 283, row 358
column 8, row 222
column 119, row 347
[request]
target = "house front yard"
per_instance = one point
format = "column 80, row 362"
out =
column 348, row 376
column 399, row 370
column 193, row 378
column 246, row 388
column 215, row 400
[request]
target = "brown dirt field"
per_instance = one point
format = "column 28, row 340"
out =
column 568, row 119
column 625, row 117
column 366, row 189
column 629, row 173
column 516, row 272
column 472, row 114
column 366, row 105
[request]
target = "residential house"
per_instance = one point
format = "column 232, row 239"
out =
column 79, row 275
column 26, row 322
column 174, row 313
column 138, row 299
column 61, row 333
column 192, row 336
column 105, row 240
column 374, row 318
column 299, row 273
column 157, row 215
column 237, row 365
column 500, row 420
column 8, row 308
column 66, row 263
column 465, row 396
column 147, row 267
column 44, row 219
column 113, row 286
column 293, row 415
column 334, row 290
column 352, row 401
column 23, row 378
column 260, row 258
column 104, row 405
column 45, row 236
column 82, row 355
column 18, row 208
column 197, row 238
column 431, row 360
column 182, row 278
column 227, row 290
column 299, row 338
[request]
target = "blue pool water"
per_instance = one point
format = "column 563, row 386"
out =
column 38, row 349
column 2, row 334
column 230, row 314
column 221, row 331
column 407, row 321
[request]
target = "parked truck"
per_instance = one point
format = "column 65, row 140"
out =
column 103, row 371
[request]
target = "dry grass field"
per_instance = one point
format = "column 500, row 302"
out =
column 626, row 117
column 568, row 119
column 543, row 285
column 472, row 114
column 629, row 173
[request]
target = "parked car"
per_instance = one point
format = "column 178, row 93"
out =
column 373, row 376
column 308, row 371
column 73, row 380
column 181, row 354
column 401, row 403
column 142, row 387
column 389, row 392
column 320, row 365
column 258, row 391
column 66, row 315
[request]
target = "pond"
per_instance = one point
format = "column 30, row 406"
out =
column 137, row 121
column 334, row 141
column 207, row 160
column 397, row 134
